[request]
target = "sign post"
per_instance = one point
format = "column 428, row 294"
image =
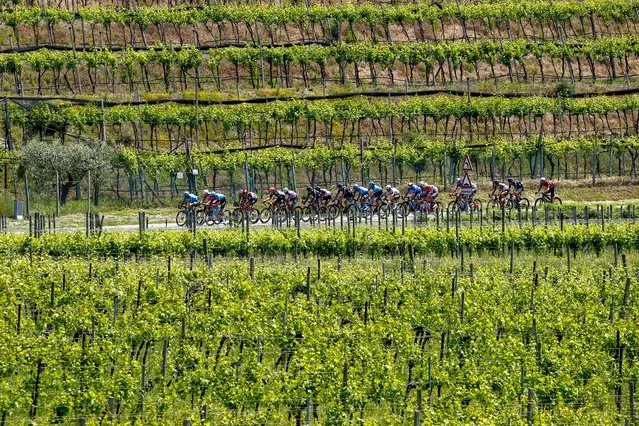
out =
column 466, row 184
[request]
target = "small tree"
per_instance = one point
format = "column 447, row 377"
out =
column 42, row 160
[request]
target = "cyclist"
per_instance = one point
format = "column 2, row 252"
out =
column 310, row 195
column 323, row 196
column 462, row 201
column 218, row 199
column 206, row 197
column 548, row 186
column 189, row 200
column 392, row 195
column 376, row 192
column 458, row 187
column 413, row 191
column 430, row 195
column 291, row 198
column 360, row 194
column 275, row 197
column 516, row 188
column 247, row 199
column 500, row 189
column 344, row 195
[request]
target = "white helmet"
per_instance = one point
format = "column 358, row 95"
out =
column 543, row 179
column 388, row 187
column 206, row 191
column 285, row 190
column 421, row 183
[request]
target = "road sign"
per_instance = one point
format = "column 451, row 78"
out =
column 467, row 167
column 466, row 185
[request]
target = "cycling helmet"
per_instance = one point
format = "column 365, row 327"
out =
column 317, row 188
column 411, row 184
column 388, row 187
column 285, row 190
column 371, row 184
column 186, row 194
column 340, row 186
column 243, row 192
column 206, row 191
column 271, row 189
column 355, row 186
column 511, row 179
column 495, row 182
column 458, row 180
column 309, row 188
column 543, row 179
column 421, row 183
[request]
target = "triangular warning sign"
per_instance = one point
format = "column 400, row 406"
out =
column 466, row 182
column 467, row 165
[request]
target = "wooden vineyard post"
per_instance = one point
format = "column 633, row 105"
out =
column 530, row 410
column 430, row 382
column 631, row 397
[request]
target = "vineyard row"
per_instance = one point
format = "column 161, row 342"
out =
column 418, row 63
column 303, row 122
column 266, row 341
column 327, row 242
column 260, row 23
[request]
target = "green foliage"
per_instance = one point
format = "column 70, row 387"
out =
column 45, row 160
column 325, row 243
column 165, row 341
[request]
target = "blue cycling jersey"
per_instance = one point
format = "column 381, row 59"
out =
column 377, row 190
column 219, row 197
column 415, row 189
column 192, row 198
column 362, row 191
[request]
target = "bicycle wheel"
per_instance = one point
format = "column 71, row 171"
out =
column 298, row 211
column 557, row 200
column 218, row 217
column 254, row 216
column 210, row 218
column 333, row 211
column 453, row 206
column 279, row 216
column 265, row 215
column 524, row 204
column 509, row 206
column 352, row 210
column 384, row 211
column 492, row 205
column 406, row 210
column 476, row 206
column 539, row 201
column 237, row 216
column 307, row 213
column 180, row 218
column 201, row 216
